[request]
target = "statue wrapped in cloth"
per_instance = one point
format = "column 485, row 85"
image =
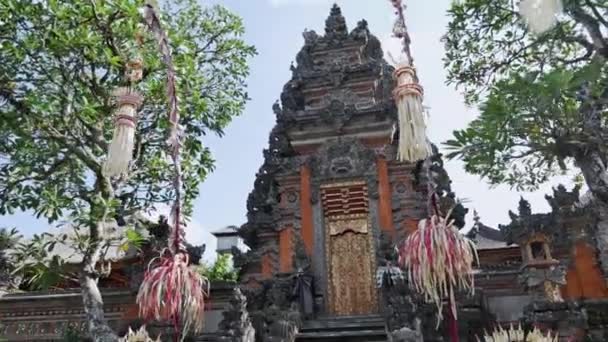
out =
column 303, row 292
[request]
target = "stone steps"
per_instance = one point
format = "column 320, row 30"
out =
column 343, row 329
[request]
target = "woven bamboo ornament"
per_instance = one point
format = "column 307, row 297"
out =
column 517, row 335
column 128, row 101
column 540, row 15
column 408, row 95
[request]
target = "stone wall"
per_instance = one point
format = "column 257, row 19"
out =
column 582, row 320
column 45, row 316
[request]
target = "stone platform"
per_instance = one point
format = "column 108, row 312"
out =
column 343, row 329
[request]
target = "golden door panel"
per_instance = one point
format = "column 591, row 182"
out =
column 350, row 259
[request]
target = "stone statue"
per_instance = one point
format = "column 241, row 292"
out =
column 545, row 282
column 406, row 334
column 303, row 293
column 236, row 325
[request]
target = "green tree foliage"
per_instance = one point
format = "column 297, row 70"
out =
column 222, row 269
column 542, row 98
column 60, row 62
column 36, row 264
column 9, row 238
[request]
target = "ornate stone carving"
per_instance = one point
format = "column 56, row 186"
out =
column 434, row 169
column 372, row 48
column 310, row 37
column 343, row 158
column 236, row 325
column 524, row 224
column 399, row 309
column 335, row 25
column 544, row 283
column 274, row 310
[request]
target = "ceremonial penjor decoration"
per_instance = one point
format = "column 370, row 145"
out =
column 437, row 258
column 517, row 335
column 171, row 290
column 413, row 143
column 438, row 261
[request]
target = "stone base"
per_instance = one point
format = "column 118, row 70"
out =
column 588, row 318
column 343, row 329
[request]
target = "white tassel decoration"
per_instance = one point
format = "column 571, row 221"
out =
column 413, row 143
column 540, row 15
column 517, row 334
column 120, row 151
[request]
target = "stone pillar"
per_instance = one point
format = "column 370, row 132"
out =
column 385, row 212
column 286, row 250
column 307, row 229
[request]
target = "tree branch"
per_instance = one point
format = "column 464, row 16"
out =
column 593, row 29
column 597, row 14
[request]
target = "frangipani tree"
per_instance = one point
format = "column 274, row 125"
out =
column 61, row 61
column 543, row 97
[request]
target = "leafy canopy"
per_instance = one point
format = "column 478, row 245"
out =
column 222, row 269
column 530, row 89
column 61, row 60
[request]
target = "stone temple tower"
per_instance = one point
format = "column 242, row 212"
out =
column 330, row 200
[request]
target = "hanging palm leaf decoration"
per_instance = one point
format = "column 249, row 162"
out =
column 517, row 335
column 408, row 94
column 438, row 260
column 171, row 290
column 140, row 335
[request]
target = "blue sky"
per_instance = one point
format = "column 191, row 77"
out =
column 275, row 27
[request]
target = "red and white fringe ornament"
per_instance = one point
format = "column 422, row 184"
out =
column 172, row 290
column 120, row 151
column 438, row 260
column 408, row 95
column 540, row 15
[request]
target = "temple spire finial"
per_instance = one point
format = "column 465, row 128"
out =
column 335, row 25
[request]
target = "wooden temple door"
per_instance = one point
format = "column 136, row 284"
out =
column 349, row 250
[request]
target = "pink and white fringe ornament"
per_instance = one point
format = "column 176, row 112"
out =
column 438, row 260
column 172, row 290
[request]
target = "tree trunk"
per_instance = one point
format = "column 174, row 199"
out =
column 592, row 162
column 594, row 170
column 93, row 307
column 98, row 327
